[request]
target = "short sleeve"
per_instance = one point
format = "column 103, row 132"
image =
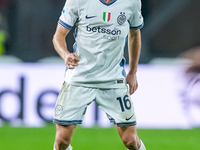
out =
column 136, row 20
column 69, row 14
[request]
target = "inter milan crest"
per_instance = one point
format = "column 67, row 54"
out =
column 58, row 109
column 121, row 18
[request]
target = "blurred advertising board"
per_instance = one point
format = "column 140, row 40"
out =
column 166, row 96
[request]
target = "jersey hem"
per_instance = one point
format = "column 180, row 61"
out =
column 105, row 85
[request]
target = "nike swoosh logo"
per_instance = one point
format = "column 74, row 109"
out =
column 89, row 17
column 127, row 119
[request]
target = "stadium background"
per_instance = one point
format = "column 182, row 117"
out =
column 170, row 44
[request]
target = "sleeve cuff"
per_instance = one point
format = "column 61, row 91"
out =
column 65, row 25
column 138, row 27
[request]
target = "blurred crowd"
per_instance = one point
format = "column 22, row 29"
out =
column 6, row 15
column 3, row 25
column 27, row 27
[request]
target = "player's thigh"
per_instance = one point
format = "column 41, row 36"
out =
column 117, row 104
column 71, row 104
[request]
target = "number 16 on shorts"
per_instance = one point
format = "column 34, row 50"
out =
column 124, row 102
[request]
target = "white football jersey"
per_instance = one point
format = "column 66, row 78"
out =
column 100, row 33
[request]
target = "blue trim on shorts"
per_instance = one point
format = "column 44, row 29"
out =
column 63, row 122
column 124, row 124
column 112, row 120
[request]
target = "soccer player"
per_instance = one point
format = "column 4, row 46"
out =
column 96, row 67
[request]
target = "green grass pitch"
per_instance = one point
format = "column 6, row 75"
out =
column 97, row 139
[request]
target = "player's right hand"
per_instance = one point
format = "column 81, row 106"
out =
column 71, row 60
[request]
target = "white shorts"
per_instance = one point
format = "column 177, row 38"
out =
column 72, row 103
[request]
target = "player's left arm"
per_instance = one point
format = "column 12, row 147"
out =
column 134, row 48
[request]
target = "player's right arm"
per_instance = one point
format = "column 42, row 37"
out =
column 60, row 45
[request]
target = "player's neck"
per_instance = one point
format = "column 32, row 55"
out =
column 107, row 1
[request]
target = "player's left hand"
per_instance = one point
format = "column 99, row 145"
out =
column 131, row 80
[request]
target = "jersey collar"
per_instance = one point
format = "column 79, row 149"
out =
column 107, row 4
